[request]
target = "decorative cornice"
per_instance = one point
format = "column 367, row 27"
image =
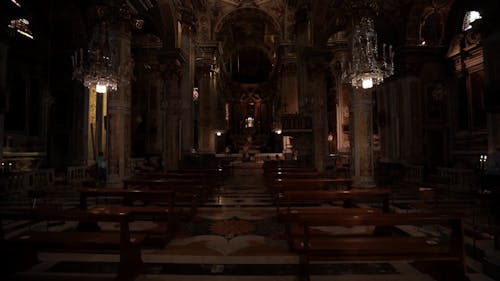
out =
column 318, row 60
column 172, row 54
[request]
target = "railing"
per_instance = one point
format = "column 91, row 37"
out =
column 139, row 165
column 44, row 177
column 21, row 181
column 77, row 174
column 413, row 173
column 458, row 179
column 291, row 122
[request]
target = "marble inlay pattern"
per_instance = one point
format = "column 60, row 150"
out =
column 232, row 227
column 235, row 236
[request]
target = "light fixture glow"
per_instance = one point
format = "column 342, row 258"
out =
column 97, row 67
column 368, row 60
column 16, row 3
column 218, row 133
column 367, row 83
column 470, row 17
column 25, row 34
column 100, row 88
column 21, row 26
column 278, row 131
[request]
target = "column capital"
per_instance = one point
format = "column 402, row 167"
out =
column 188, row 17
column 205, row 57
column 171, row 70
column 203, row 67
column 171, row 62
column 206, row 49
column 126, row 71
column 302, row 14
column 318, row 60
column 174, row 55
column 172, row 105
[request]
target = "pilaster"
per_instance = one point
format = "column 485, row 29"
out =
column 362, row 171
column 119, row 109
column 289, row 99
column 491, row 45
column 339, row 45
column 186, row 86
column 3, row 93
column 318, row 62
column 171, row 108
column 208, row 97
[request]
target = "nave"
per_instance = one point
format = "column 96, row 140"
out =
column 234, row 235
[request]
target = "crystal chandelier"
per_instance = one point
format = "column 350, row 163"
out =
column 368, row 67
column 95, row 67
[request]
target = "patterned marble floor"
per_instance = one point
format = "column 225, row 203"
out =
column 234, row 236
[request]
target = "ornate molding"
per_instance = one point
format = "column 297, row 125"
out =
column 171, row 62
column 173, row 105
column 318, row 61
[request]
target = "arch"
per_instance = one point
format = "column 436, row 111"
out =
column 413, row 25
column 259, row 47
column 248, row 28
column 419, row 11
column 457, row 14
column 169, row 23
column 238, row 13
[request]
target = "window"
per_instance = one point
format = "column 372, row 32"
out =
column 22, row 26
column 469, row 18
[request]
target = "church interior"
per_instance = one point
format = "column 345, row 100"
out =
column 250, row 140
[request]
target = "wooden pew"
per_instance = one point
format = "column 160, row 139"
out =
column 219, row 173
column 129, row 196
column 282, row 184
column 211, row 178
column 289, row 169
column 300, row 174
column 162, row 183
column 446, row 254
column 186, row 190
column 294, row 229
column 290, row 197
column 166, row 214
column 283, row 164
column 22, row 251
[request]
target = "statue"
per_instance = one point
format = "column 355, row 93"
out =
column 249, row 122
column 246, row 148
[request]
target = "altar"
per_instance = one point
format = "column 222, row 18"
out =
column 256, row 157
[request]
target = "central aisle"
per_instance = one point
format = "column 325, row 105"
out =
column 237, row 221
column 236, row 236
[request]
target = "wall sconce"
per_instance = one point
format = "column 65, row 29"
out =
column 482, row 161
column 218, row 133
column 330, row 137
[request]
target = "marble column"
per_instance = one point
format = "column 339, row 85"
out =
column 171, row 113
column 289, row 99
column 187, row 80
column 154, row 136
column 91, row 126
column 491, row 45
column 207, row 118
column 119, row 109
column 207, row 80
column 362, row 172
column 339, row 45
column 318, row 61
column 46, row 104
column 3, row 93
column 303, row 42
